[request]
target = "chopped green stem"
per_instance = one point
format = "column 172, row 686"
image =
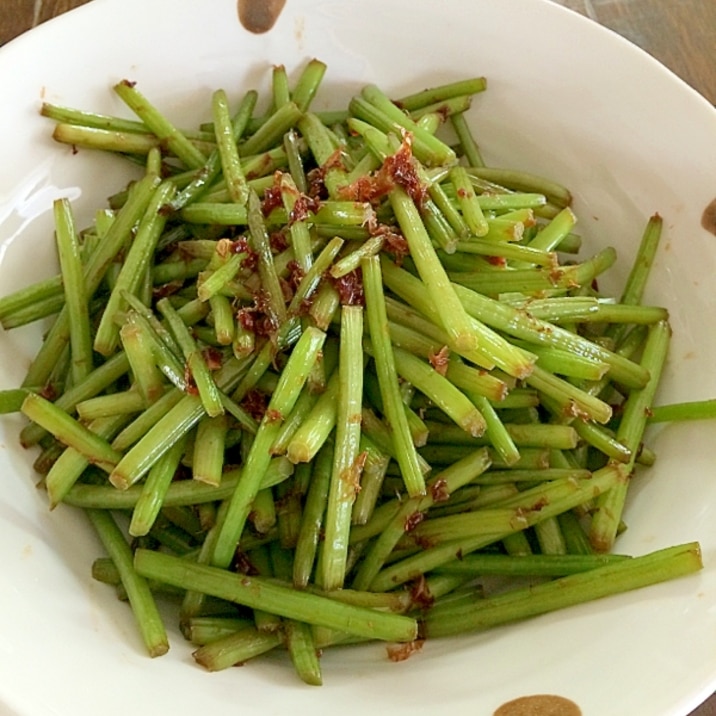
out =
column 206, row 212
column 148, row 618
column 28, row 298
column 452, row 315
column 385, row 364
column 468, row 202
column 493, row 348
column 345, row 474
column 71, row 464
column 516, row 323
column 441, row 391
column 180, row 493
column 470, row 147
column 308, row 83
column 317, row 426
column 525, row 182
column 209, row 445
column 614, row 578
column 291, row 382
column 154, row 489
column 75, row 290
column 375, row 107
column 505, row 250
column 260, row 593
column 573, row 493
column 99, row 261
column 532, row 280
column 99, row 379
column 692, row 410
column 646, row 253
column 441, row 486
column 374, row 470
column 149, row 380
column 204, row 178
column 228, row 151
column 83, row 118
column 534, row 565
column 196, row 364
column 606, row 521
column 571, row 399
column 550, row 236
column 312, row 518
column 267, row 270
column 271, row 132
column 435, row 95
column 107, row 140
column 302, row 650
column 165, row 131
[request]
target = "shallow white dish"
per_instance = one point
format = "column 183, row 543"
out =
column 566, row 98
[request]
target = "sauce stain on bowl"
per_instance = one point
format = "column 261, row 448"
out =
column 259, row 16
column 539, row 705
column 708, row 218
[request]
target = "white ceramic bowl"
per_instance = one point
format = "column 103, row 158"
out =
column 566, row 98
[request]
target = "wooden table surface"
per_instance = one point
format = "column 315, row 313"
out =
column 679, row 33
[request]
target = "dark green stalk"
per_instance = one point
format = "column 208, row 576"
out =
column 313, row 515
column 100, row 259
column 385, row 363
column 516, row 323
column 70, row 432
column 535, row 565
column 145, row 611
column 236, row 648
column 605, row 523
column 292, row 379
column 441, row 486
column 179, row 493
column 259, row 593
column 317, row 426
column 440, row 93
column 209, row 447
column 308, row 83
column 149, row 381
column 71, row 464
column 622, row 576
column 75, row 290
column 49, row 290
column 676, row 412
column 165, row 131
column 524, row 182
column 154, row 489
column 470, row 147
column 271, row 132
column 228, row 151
column 345, row 474
column 433, row 557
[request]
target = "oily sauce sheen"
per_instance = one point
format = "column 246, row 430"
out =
column 539, row 705
column 259, row 16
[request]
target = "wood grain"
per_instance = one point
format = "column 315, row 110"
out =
column 18, row 16
column 53, row 8
column 679, row 33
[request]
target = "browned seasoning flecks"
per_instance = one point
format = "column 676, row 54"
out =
column 539, row 705
column 708, row 218
column 259, row 16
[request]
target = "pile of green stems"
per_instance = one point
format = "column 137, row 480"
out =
column 325, row 377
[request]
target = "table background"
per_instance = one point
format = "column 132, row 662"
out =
column 679, row 33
